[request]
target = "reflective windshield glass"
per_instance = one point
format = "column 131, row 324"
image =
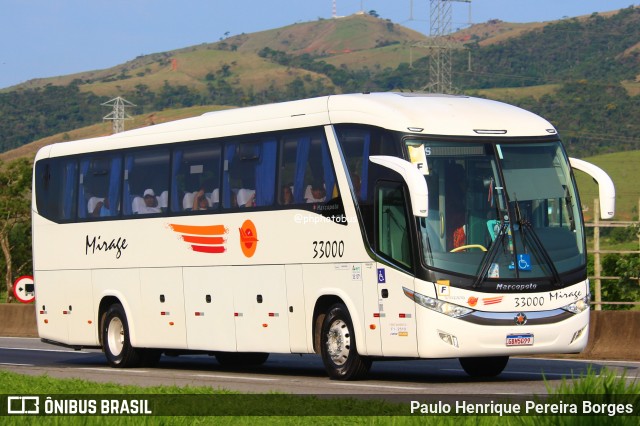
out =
column 498, row 211
column 544, row 206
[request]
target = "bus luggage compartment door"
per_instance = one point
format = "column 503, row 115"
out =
column 209, row 306
column 162, row 296
column 64, row 307
column 260, row 299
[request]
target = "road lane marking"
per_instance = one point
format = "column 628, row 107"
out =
column 70, row 351
column 214, row 376
column 590, row 361
column 381, row 386
column 565, row 375
column 513, row 372
column 16, row 364
column 112, row 370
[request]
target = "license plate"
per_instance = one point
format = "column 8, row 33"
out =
column 520, row 339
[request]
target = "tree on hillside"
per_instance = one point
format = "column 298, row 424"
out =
column 15, row 228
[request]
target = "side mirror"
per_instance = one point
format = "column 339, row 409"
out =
column 606, row 189
column 418, row 190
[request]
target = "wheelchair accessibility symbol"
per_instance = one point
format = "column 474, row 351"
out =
column 524, row 263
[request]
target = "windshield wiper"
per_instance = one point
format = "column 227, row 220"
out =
column 492, row 253
column 525, row 225
column 569, row 204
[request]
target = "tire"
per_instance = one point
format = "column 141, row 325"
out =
column 241, row 359
column 115, row 339
column 338, row 346
column 484, row 366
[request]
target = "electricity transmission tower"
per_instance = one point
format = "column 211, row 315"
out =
column 441, row 45
column 118, row 115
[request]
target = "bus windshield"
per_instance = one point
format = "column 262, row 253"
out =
column 499, row 210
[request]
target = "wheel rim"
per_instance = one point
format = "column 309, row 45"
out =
column 115, row 336
column 338, row 342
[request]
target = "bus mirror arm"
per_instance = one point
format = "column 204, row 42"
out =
column 413, row 178
column 606, row 189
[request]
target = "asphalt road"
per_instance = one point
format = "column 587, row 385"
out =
column 302, row 374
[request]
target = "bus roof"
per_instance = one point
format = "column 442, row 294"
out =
column 425, row 114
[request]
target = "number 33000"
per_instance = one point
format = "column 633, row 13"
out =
column 328, row 249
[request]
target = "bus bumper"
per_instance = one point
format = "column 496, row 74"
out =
column 440, row 336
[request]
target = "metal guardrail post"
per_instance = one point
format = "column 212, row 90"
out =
column 597, row 269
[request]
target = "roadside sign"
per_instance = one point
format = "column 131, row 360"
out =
column 23, row 289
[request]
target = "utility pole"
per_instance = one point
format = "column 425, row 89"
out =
column 441, row 46
column 118, row 115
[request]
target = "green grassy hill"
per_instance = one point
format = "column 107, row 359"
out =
column 362, row 35
column 579, row 73
column 623, row 167
column 104, row 129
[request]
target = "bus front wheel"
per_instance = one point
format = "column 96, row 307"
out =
column 115, row 339
column 489, row 366
column 338, row 346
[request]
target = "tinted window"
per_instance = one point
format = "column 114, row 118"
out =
column 196, row 178
column 146, row 182
column 56, row 183
column 249, row 173
column 99, row 186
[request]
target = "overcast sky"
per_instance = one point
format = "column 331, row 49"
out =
column 48, row 38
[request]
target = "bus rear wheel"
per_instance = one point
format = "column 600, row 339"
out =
column 115, row 339
column 490, row 366
column 338, row 346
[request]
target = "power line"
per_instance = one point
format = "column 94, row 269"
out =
column 441, row 45
column 118, row 115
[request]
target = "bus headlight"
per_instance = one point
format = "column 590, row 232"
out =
column 449, row 309
column 578, row 306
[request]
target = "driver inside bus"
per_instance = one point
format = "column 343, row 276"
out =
column 455, row 206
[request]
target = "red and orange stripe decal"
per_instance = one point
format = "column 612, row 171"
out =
column 203, row 239
column 492, row 300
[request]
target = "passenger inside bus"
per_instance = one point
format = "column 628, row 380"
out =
column 105, row 208
column 200, row 201
column 315, row 193
column 163, row 200
column 286, row 195
column 246, row 197
column 149, row 205
column 94, row 205
column 214, row 199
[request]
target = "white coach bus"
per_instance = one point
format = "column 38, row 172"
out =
column 359, row 227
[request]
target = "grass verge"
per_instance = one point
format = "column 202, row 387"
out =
column 610, row 393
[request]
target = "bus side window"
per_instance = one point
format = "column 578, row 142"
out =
column 99, row 186
column 357, row 144
column 308, row 164
column 195, row 177
column 56, row 188
column 392, row 236
column 356, row 148
column 249, row 173
column 286, row 169
column 146, row 177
